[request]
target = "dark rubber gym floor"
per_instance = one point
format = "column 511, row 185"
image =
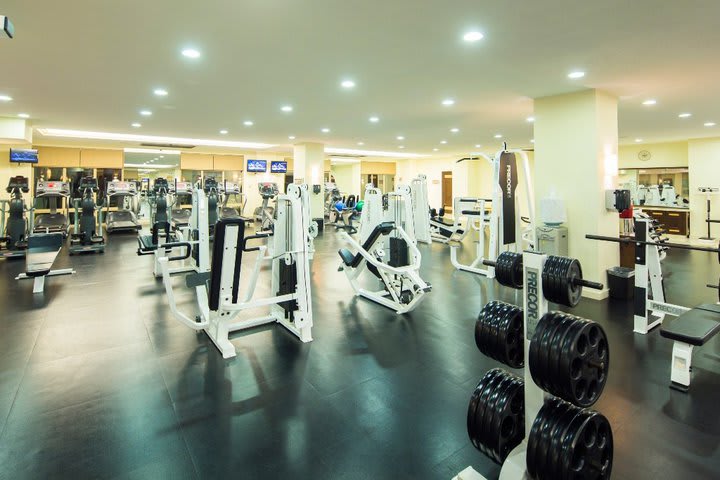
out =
column 99, row 381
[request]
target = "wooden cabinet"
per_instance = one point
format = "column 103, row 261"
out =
column 676, row 221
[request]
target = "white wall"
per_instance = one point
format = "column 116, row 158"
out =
column 704, row 171
column 345, row 178
column 674, row 154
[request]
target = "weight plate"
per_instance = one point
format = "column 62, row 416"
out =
column 482, row 410
column 555, row 280
column 541, row 375
column 485, row 318
column 490, row 436
column 535, row 351
column 588, row 363
column 589, row 448
column 575, row 289
column 554, row 353
column 553, row 408
column 572, row 437
column 494, row 332
column 475, row 403
column 546, row 276
column 555, row 453
column 538, row 429
column 569, row 390
column 508, row 422
column 514, row 347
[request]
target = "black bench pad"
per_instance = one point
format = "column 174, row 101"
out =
column 383, row 228
column 694, row 327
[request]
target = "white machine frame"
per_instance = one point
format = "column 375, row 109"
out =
column 372, row 212
column 289, row 245
column 421, row 208
column 474, row 211
column 390, row 276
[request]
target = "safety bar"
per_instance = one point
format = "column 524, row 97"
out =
column 257, row 236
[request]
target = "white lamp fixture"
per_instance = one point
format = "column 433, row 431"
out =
column 136, row 125
column 448, row 102
column 325, row 130
column 454, row 130
column 685, row 115
column 291, row 137
column 145, row 113
column 347, row 84
column 709, row 124
column 5, row 98
column 223, row 132
column 287, row 108
column 160, row 92
column 473, row 36
column 649, row 102
column 400, row 137
column 23, row 115
column 497, row 135
column 248, row 123
column 370, row 153
column 530, row 119
column 576, row 74
column 374, row 119
column 191, row 53
column 443, row 142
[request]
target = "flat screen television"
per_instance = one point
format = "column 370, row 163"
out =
column 278, row 167
column 23, row 155
column 257, row 165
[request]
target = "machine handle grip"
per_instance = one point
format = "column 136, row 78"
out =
column 186, row 245
column 710, row 285
column 257, row 236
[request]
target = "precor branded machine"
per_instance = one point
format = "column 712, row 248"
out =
column 123, row 219
column 227, row 190
column 265, row 213
column 220, row 300
column 56, row 221
column 13, row 241
column 179, row 217
column 87, row 235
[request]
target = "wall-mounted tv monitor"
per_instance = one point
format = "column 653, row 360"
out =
column 257, row 165
column 19, row 155
column 278, row 167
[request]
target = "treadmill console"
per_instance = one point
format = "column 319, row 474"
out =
column 18, row 183
column 181, row 188
column 230, row 188
column 268, row 189
column 52, row 188
column 119, row 188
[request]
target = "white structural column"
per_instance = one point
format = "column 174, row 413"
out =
column 309, row 166
column 576, row 145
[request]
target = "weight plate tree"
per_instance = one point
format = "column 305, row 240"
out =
column 563, row 282
column 499, row 333
column 569, row 358
column 496, row 418
column 567, row 442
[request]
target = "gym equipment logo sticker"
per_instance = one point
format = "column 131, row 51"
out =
column 531, row 299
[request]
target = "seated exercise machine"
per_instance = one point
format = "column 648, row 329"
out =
column 265, row 213
column 346, row 213
column 87, row 235
column 123, row 219
column 228, row 189
column 163, row 243
column 399, row 272
column 477, row 221
column 508, row 229
column 13, row 241
column 692, row 327
column 42, row 250
column 54, row 221
column 179, row 217
column 538, row 426
column 218, row 291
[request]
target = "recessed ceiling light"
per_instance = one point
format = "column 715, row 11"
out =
column 478, row 146
column 443, row 142
column 448, row 102
column 160, row 92
column 497, row 135
column 191, row 53
column 638, row 140
column 248, row 123
column 287, row 108
column 291, row 137
column 223, row 132
column 145, row 113
column 454, row 130
column 576, row 75
column 136, row 125
column 685, row 115
column 532, row 140
column 5, row 98
column 23, row 115
column 473, row 36
column 127, row 137
column 374, row 119
column 371, row 153
column 530, row 119
column 325, row 130
column 709, row 124
column 401, row 146
column 435, row 149
column 650, row 101
column 347, row 84
column 400, row 137
column 361, row 143
column 162, row 156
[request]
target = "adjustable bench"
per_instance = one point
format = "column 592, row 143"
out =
column 691, row 329
column 42, row 251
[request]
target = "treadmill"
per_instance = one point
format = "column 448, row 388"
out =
column 180, row 217
column 55, row 221
column 121, row 220
column 227, row 189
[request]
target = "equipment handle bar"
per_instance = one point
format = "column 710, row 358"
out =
column 257, row 236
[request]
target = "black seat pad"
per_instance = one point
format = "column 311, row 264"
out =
column 694, row 327
column 383, row 228
column 41, row 253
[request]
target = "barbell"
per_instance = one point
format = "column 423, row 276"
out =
column 680, row 246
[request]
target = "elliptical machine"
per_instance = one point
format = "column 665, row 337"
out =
column 13, row 242
column 87, row 236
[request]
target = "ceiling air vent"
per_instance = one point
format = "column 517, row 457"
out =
column 170, row 146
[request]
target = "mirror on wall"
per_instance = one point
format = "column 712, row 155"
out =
column 658, row 187
column 151, row 165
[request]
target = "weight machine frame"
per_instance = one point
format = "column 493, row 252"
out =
column 290, row 246
column 421, row 209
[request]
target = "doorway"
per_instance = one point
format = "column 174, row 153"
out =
column 447, row 193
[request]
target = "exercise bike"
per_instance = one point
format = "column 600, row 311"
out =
column 87, row 236
column 13, row 242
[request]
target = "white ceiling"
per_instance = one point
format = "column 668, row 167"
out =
column 93, row 65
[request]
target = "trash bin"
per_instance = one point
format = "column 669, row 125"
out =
column 621, row 281
column 320, row 223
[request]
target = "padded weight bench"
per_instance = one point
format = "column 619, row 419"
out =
column 691, row 329
column 42, row 251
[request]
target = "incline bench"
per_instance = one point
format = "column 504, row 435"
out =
column 691, row 329
column 42, row 251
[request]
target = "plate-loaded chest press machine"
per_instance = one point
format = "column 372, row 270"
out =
column 218, row 291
